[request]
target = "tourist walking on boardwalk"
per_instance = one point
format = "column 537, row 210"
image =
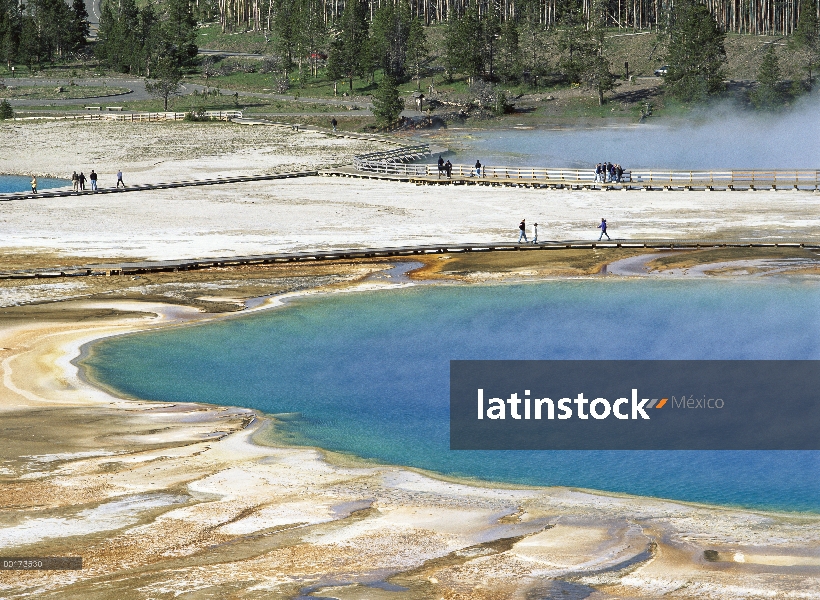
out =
column 597, row 173
column 34, row 184
column 602, row 227
column 333, row 123
column 477, row 168
column 92, row 177
column 440, row 165
column 119, row 179
column 522, row 227
column 535, row 233
column 81, row 180
column 448, row 166
column 75, row 181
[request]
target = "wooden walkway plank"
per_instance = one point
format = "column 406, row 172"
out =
column 156, row 186
column 141, row 267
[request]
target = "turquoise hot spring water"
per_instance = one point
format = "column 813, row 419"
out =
column 367, row 373
column 10, row 184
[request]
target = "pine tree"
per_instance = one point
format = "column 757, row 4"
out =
column 146, row 39
column 464, row 43
column 165, row 78
column 509, row 52
column 696, row 53
column 285, row 28
column 131, row 38
column 535, row 48
column 178, row 33
column 117, row 46
column 599, row 77
column 387, row 105
column 389, row 33
column 490, row 32
column 597, row 74
column 45, row 31
column 11, row 22
column 585, row 46
column 577, row 46
column 79, row 25
column 417, row 51
column 805, row 42
column 311, row 34
column 30, row 49
column 6, row 111
column 346, row 50
column 767, row 95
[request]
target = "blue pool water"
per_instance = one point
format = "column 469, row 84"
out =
column 368, row 373
column 10, row 184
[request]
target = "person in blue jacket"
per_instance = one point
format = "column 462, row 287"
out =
column 602, row 227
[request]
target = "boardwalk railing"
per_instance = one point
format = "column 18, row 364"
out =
column 399, row 162
column 376, row 162
column 729, row 179
column 219, row 115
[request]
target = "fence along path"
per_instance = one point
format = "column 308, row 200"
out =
column 215, row 115
column 398, row 163
column 192, row 264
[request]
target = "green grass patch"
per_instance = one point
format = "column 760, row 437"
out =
column 210, row 36
column 243, row 82
column 193, row 103
column 74, row 69
column 587, row 107
column 310, row 87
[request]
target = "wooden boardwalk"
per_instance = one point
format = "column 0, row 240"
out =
column 399, row 165
column 136, row 268
column 156, row 186
column 561, row 179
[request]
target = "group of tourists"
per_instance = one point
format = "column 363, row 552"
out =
column 607, row 172
column 522, row 231
column 522, row 227
column 78, row 181
column 445, row 167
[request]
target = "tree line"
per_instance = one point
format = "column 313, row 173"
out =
column 41, row 31
column 759, row 17
column 138, row 40
column 486, row 41
column 509, row 40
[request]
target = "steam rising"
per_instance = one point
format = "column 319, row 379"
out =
column 719, row 138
